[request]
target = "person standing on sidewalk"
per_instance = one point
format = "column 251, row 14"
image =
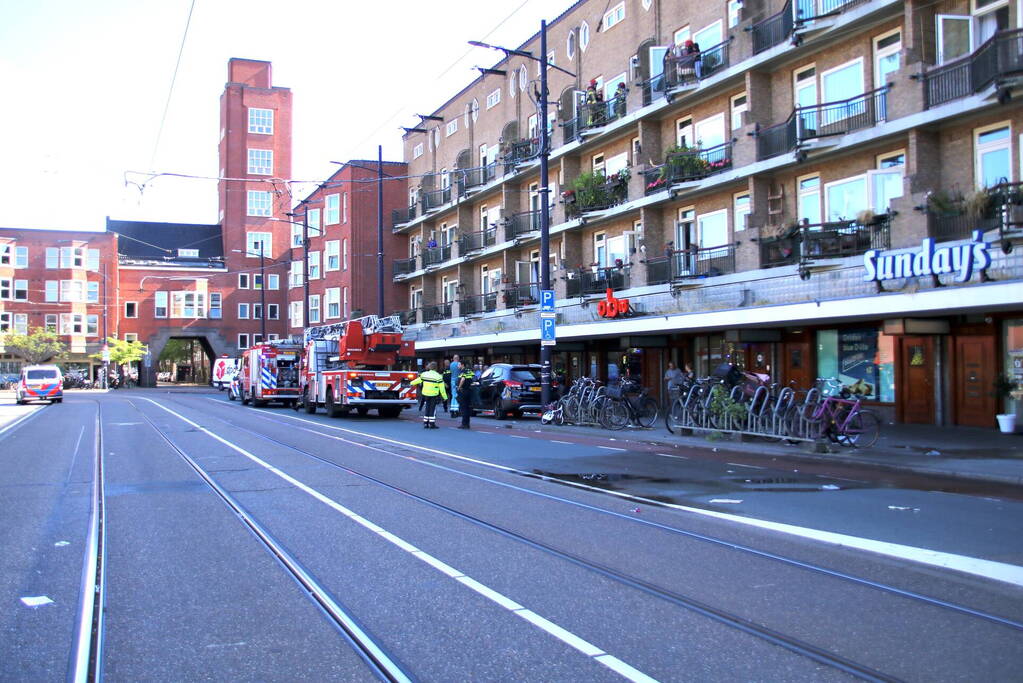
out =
column 433, row 390
column 466, row 379
column 456, row 371
column 446, row 375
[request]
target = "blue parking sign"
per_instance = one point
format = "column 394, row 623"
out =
column 546, row 300
column 547, row 331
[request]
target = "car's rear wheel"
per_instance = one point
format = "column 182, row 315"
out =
column 308, row 402
column 243, row 396
column 499, row 413
column 333, row 410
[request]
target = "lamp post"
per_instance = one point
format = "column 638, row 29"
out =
column 545, row 215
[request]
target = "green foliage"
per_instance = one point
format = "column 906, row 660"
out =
column 40, row 346
column 176, row 351
column 123, row 352
column 724, row 408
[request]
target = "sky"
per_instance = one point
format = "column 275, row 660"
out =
column 86, row 85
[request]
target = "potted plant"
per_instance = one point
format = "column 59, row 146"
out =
column 1005, row 387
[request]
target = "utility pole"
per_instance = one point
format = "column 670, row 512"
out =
column 106, row 349
column 305, row 269
column 545, row 212
column 262, row 293
column 380, row 231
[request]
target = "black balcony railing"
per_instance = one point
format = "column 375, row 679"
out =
column 996, row 208
column 436, row 198
column 474, row 241
column 774, row 30
column 688, row 165
column 842, row 116
column 435, row 255
column 999, row 56
column 520, row 152
column 809, row 10
column 782, row 250
column 598, row 280
column 478, row 304
column 404, row 266
column 523, row 223
column 402, row 216
column 699, row 262
column 472, row 178
column 437, row 312
column 406, row 317
column 687, row 69
column 844, row 238
column 597, row 114
column 777, row 139
column 522, row 294
column 597, row 197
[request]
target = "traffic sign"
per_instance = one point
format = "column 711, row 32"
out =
column 546, row 300
column 547, row 331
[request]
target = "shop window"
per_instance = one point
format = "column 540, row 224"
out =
column 861, row 359
column 1013, row 367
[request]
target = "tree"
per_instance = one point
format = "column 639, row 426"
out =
column 176, row 351
column 123, row 352
column 38, row 347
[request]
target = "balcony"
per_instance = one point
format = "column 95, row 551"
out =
column 436, row 255
column 478, row 304
column 823, row 120
column 688, row 165
column 595, row 193
column 687, row 69
column 406, row 317
column 594, row 115
column 811, row 10
column 436, row 199
column 517, row 295
column 692, row 263
column 520, row 224
column 402, row 216
column 437, row 312
column 520, row 152
column 955, row 217
column 476, row 241
column 403, row 266
column 598, row 280
column 1000, row 56
column 472, row 178
column 782, row 250
column 774, row 30
column 844, row 238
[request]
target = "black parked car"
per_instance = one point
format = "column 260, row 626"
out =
column 509, row 388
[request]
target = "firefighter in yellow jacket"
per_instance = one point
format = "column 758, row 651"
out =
column 435, row 392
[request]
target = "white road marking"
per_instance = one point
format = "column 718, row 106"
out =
column 518, row 437
column 507, row 603
column 611, row 448
column 739, row 464
column 20, row 420
column 566, row 443
column 671, row 455
column 36, row 601
column 997, row 571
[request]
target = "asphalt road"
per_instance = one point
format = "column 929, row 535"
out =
column 356, row 548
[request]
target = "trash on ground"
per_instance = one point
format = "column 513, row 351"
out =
column 61, row 544
column 37, row 601
column 900, row 507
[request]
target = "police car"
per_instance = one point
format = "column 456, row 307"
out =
column 40, row 383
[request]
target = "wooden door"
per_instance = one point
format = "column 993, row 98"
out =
column 758, row 359
column 975, row 369
column 916, row 380
column 798, row 365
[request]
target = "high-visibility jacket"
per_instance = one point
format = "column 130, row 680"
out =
column 433, row 384
column 465, row 381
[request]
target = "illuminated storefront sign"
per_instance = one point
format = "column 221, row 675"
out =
column 961, row 259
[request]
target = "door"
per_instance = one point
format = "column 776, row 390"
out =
column 916, row 380
column 798, row 365
column 975, row 368
column 657, row 54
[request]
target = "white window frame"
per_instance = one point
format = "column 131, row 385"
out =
column 684, row 127
column 344, row 253
column 52, row 291
column 131, row 336
column 332, row 297
column 312, row 219
column 52, row 257
column 816, row 190
column 243, row 280
column 273, row 281
column 332, row 209
column 332, row 255
column 296, row 236
column 314, row 308
column 494, row 99
column 51, row 321
column 260, row 161
column 273, row 312
column 295, row 313
column 939, row 33
column 243, row 340
column 614, row 16
column 451, row 128
column 681, row 35
column 265, row 241
column 711, row 215
column 243, row 311
column 160, row 303
column 584, row 36
column 257, row 311
column 982, row 148
column 258, row 121
column 91, row 290
column 135, row 309
column 92, row 260
column 216, row 303
column 258, row 203
column 887, row 51
column 344, row 207
column 733, row 8
column 21, row 257
column 740, row 215
column 417, row 150
column 737, row 110
column 314, row 265
column 20, row 291
column 570, row 45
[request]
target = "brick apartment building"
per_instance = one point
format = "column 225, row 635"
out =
column 795, row 201
column 225, row 284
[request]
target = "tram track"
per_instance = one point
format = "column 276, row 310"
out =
column 789, row 643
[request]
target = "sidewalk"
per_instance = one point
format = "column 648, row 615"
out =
column 956, row 452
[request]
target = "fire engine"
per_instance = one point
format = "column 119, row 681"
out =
column 269, row 372
column 352, row 365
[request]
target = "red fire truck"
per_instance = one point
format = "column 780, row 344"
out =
column 353, row 365
column 269, row 372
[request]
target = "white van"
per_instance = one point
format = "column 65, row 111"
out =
column 40, row 383
column 224, row 369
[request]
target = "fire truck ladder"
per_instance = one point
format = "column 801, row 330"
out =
column 371, row 324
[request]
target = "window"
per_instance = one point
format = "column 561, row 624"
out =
column 417, row 151
column 21, row 290
column 846, row 198
column 72, row 323
column 72, row 290
column 474, row 110
column 21, row 257
column 72, row 257
column 273, row 311
column 494, row 99
column 261, row 121
column 584, row 36
column 344, row 253
column 188, row 305
column 243, row 280
column 570, row 45
column 739, row 107
column 257, row 281
column 312, row 219
column 314, row 266
column 332, row 255
column 415, row 299
column 92, row 292
column 841, row 83
column 11, row 255
column 92, row 260
column 955, row 36
column 51, row 257
column 741, row 212
column 709, row 36
column 5, row 322
column 273, row 281
column 511, row 85
column 614, row 16
column 131, row 336
column 597, row 163
column 51, row 290
column 993, row 154
column 710, row 132
column 805, row 87
column 257, row 243
column 452, row 127
column 332, row 214
column 891, row 159
column 684, row 132
column 295, row 275
column 6, row 288
column 859, row 357
column 216, row 305
column 51, row 322
column 734, row 6
column 91, row 325
column 296, row 236
column 261, row 161
column 5, row 254
column 808, row 202
column 344, row 302
column 243, row 311
column 160, row 305
column 333, row 300
column 523, row 78
column 258, row 203
column 344, row 207
column 243, row 341
column 682, row 35
column 257, row 311
column 314, row 308
column 600, row 249
column 886, row 56
column 713, row 229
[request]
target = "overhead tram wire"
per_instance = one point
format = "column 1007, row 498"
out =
column 170, row 92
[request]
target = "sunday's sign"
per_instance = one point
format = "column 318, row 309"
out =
column 961, row 259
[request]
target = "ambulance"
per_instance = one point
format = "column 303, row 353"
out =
column 269, row 372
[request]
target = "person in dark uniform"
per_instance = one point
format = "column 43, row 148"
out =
column 466, row 380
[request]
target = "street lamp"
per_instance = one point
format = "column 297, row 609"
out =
column 545, row 215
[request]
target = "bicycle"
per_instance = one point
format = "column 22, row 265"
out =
column 621, row 409
column 842, row 419
column 553, row 413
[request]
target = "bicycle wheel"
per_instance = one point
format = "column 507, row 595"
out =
column 673, row 416
column 571, row 404
column 646, row 412
column 615, row 415
column 861, row 431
